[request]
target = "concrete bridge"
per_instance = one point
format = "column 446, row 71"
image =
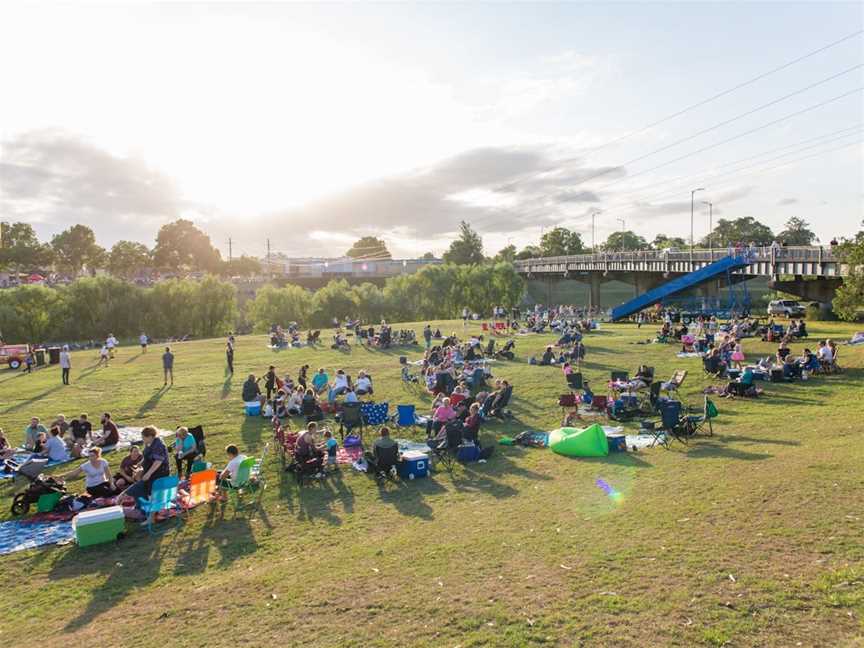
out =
column 812, row 273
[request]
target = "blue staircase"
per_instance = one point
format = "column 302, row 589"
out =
column 710, row 272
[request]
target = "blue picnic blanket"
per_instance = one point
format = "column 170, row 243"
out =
column 16, row 535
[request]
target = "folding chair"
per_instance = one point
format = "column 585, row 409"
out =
column 351, row 417
column 567, row 401
column 485, row 327
column 621, row 376
column 202, row 486
column 197, row 433
column 446, row 450
column 163, row 497
column 257, row 474
column 674, row 424
column 243, row 481
column 700, row 421
column 406, row 416
column 455, row 399
column 675, row 382
column 574, row 381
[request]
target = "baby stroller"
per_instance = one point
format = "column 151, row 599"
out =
column 39, row 485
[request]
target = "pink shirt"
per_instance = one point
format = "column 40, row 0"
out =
column 567, row 370
column 444, row 414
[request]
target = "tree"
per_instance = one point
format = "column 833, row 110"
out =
column 663, row 242
column 27, row 313
column 274, row 305
column 20, row 249
column 370, row 301
column 128, row 259
column 214, row 308
column 333, row 300
column 797, row 232
column 628, row 240
column 428, row 256
column 849, row 300
column 506, row 254
column 369, row 247
column 466, row 249
column 741, row 230
column 529, row 252
column 180, row 246
column 76, row 248
column 560, row 241
column 245, row 266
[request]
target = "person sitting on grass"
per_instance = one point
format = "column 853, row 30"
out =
column 320, row 381
column 81, row 435
column 782, row 352
column 307, row 449
column 130, row 468
column 35, row 428
column 55, row 449
column 364, row 384
column 110, row 436
column 229, row 472
column 310, row 408
column 252, row 390
column 548, row 357
column 185, row 450
column 6, row 449
column 98, row 480
column 384, row 455
column 154, row 464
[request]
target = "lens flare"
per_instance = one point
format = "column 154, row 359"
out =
column 610, row 491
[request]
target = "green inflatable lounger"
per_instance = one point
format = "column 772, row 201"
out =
column 573, row 442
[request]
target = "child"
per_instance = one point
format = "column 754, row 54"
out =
column 331, row 445
column 738, row 356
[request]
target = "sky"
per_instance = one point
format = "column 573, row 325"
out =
column 313, row 124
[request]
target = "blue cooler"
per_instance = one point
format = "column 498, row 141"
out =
column 414, row 464
column 253, row 409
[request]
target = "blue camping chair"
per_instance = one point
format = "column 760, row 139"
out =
column 163, row 497
column 406, row 416
column 375, row 413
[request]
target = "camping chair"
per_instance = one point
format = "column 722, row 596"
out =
column 350, row 417
column 484, row 326
column 163, row 497
column 700, row 421
column 309, row 469
column 197, row 433
column 446, row 450
column 650, row 398
column 675, row 382
column 406, row 416
column 243, row 481
column 621, row 376
column 477, row 380
column 567, row 401
column 257, row 470
column 455, row 399
column 501, row 401
column 375, row 413
column 674, row 424
column 202, row 486
column 198, row 466
column 574, row 381
column 385, row 464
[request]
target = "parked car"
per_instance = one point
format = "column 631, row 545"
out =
column 787, row 307
column 14, row 354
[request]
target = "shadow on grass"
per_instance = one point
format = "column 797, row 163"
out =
column 153, row 401
column 716, row 449
column 226, row 386
column 134, row 357
column 408, row 497
column 232, row 538
column 30, row 401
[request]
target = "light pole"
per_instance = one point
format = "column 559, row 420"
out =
column 692, row 193
column 621, row 220
column 710, row 227
column 594, row 232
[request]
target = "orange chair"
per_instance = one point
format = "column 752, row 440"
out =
column 455, row 399
column 202, row 486
column 484, row 326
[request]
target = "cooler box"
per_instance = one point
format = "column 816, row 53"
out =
column 617, row 442
column 99, row 526
column 253, row 409
column 414, row 464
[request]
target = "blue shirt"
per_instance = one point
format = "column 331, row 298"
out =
column 332, row 446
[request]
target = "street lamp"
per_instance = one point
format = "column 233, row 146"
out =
column 621, row 220
column 710, row 227
column 692, row 193
column 594, row 231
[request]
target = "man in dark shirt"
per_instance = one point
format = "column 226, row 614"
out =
column 110, row 434
column 384, row 455
column 168, row 365
column 154, row 464
column 251, row 390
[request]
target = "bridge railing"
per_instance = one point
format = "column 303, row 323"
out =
column 767, row 254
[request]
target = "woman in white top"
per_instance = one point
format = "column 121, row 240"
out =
column 98, row 480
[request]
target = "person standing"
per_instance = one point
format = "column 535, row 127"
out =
column 168, row 365
column 229, row 355
column 111, row 343
column 65, row 364
column 143, row 340
column 427, row 336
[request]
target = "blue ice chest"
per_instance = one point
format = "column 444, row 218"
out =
column 414, row 464
column 253, row 408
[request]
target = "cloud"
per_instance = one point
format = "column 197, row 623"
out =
column 56, row 180
column 577, row 197
column 787, row 201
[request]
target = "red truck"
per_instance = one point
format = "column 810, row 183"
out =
column 14, row 354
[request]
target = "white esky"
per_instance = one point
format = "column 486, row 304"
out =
column 299, row 123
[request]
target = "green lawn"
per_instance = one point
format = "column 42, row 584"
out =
column 750, row 538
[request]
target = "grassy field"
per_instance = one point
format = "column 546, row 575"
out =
column 750, row 538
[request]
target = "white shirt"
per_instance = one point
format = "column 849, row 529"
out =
column 364, row 383
column 65, row 360
column 94, row 476
column 111, row 342
column 825, row 353
column 340, row 381
column 143, row 339
column 103, row 351
column 234, row 465
column 56, row 449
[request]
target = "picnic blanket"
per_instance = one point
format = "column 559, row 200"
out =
column 16, row 535
column 348, row 455
column 128, row 435
column 694, row 354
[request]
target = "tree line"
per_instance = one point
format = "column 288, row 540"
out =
column 92, row 307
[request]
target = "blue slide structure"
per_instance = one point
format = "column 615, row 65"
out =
column 711, row 272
